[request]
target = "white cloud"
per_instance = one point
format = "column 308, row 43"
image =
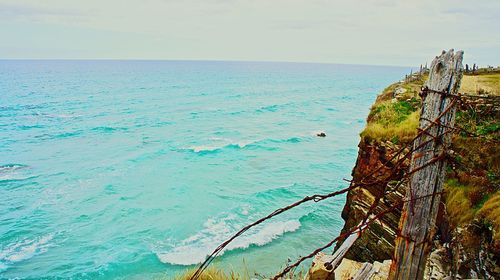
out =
column 371, row 31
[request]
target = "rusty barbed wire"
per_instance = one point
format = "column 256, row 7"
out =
column 458, row 128
column 357, row 229
column 367, row 220
column 315, row 198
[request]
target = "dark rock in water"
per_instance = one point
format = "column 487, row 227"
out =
column 321, row 134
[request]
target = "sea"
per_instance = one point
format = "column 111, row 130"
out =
column 139, row 169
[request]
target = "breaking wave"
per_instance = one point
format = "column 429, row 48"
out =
column 196, row 248
column 221, row 144
column 23, row 250
column 12, row 172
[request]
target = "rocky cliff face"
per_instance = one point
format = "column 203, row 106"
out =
column 377, row 242
column 461, row 252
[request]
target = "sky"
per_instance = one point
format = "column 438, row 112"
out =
column 376, row 32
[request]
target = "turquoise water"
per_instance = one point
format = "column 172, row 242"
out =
column 138, row 169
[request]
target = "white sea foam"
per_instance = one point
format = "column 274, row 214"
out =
column 23, row 250
column 221, row 143
column 13, row 172
column 198, row 149
column 12, row 177
column 196, row 248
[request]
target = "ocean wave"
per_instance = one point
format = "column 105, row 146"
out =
column 218, row 144
column 196, row 248
column 287, row 140
column 13, row 172
column 11, row 167
column 277, row 193
column 108, row 129
column 272, row 108
column 204, row 149
column 57, row 116
column 63, row 135
column 27, row 127
column 221, row 143
column 214, row 148
column 24, row 250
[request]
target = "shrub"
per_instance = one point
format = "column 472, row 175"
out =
column 390, row 125
column 490, row 211
column 457, row 203
column 210, row 273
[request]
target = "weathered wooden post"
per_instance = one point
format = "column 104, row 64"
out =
column 323, row 266
column 417, row 224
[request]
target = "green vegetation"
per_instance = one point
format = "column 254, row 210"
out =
column 402, row 131
column 394, row 119
column 491, row 213
column 472, row 187
column 458, row 205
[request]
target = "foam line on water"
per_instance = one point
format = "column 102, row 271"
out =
column 12, row 172
column 221, row 143
column 196, row 248
column 23, row 250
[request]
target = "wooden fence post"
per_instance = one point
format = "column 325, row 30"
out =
column 324, row 265
column 417, row 224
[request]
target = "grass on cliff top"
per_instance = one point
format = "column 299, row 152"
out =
column 472, row 184
column 400, row 127
column 395, row 120
column 474, row 84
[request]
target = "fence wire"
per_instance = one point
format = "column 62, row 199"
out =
column 404, row 153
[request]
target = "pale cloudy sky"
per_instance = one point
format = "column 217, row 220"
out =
column 387, row 32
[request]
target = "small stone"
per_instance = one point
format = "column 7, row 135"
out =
column 321, row 134
column 398, row 92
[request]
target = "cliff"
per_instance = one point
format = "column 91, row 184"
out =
column 467, row 239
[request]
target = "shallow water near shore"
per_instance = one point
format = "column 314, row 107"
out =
column 133, row 169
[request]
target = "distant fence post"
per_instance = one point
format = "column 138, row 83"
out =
column 418, row 218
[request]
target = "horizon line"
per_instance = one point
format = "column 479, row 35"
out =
column 200, row 60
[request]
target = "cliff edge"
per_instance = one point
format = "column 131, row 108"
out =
column 467, row 239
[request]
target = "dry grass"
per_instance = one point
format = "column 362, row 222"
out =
column 212, row 273
column 390, row 121
column 396, row 121
column 403, row 131
column 472, row 188
column 215, row 273
column 491, row 212
column 486, row 82
column 457, row 203
column 461, row 211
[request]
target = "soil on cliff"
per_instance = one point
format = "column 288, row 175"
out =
column 468, row 227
